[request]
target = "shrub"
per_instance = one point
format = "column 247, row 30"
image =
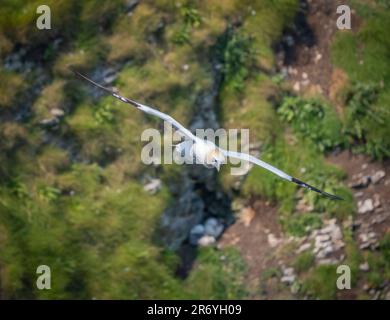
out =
column 191, row 19
column 366, row 120
column 237, row 57
column 219, row 274
column 321, row 282
column 301, row 224
column 313, row 120
column 304, row 262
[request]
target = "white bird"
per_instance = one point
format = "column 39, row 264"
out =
column 203, row 151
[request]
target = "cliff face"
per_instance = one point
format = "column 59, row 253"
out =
column 75, row 195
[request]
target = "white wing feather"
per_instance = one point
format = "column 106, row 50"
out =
column 145, row 109
column 248, row 157
column 280, row 173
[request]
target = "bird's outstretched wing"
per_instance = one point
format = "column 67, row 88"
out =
column 280, row 173
column 143, row 108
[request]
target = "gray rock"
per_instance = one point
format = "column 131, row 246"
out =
column 360, row 181
column 364, row 245
column 196, row 233
column 365, row 206
column 328, row 249
column 366, row 287
column 153, row 186
column 364, row 266
column 359, row 194
column 322, row 238
column 288, row 279
column 273, row 241
column 321, row 254
column 213, row 227
column 318, row 57
column 378, row 219
column 206, row 241
column 378, row 176
column 304, row 247
column 289, row 40
column 321, row 245
column 338, row 244
column 363, row 237
column 368, row 240
column 327, row 261
column 13, row 62
column 288, row 271
column 49, row 122
column 110, row 78
column 58, row 113
column 376, row 201
column 371, row 235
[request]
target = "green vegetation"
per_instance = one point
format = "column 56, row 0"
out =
column 321, row 282
column 237, row 57
column 218, row 275
column 191, row 19
column 304, row 262
column 379, row 263
column 366, row 120
column 10, row 85
column 313, row 120
column 300, row 225
column 364, row 56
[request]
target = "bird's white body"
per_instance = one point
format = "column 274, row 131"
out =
column 199, row 152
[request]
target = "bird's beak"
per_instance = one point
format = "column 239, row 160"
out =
column 218, row 166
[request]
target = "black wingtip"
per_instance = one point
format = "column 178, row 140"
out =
column 114, row 94
column 81, row 76
column 308, row 186
column 332, row 196
column 78, row 74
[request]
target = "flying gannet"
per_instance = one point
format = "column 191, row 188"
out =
column 203, row 151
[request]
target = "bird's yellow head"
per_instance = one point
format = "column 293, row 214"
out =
column 215, row 158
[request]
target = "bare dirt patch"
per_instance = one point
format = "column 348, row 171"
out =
column 311, row 69
column 251, row 238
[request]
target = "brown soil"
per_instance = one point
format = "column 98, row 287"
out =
column 250, row 236
column 315, row 61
